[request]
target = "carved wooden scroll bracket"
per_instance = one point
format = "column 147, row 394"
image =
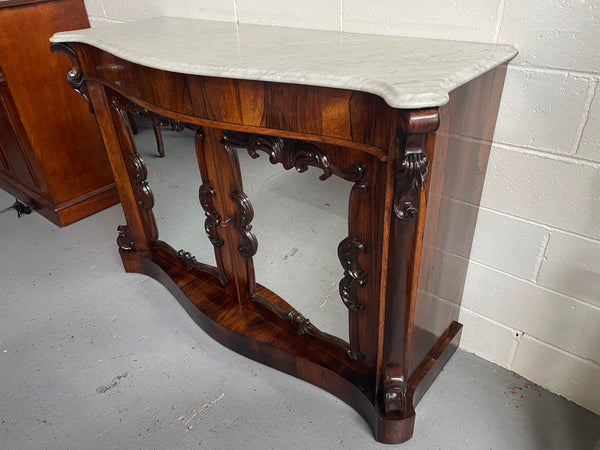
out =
column 124, row 241
column 300, row 324
column 354, row 276
column 188, row 259
column 206, row 195
column 139, row 175
column 354, row 279
column 75, row 74
column 395, row 389
column 410, row 174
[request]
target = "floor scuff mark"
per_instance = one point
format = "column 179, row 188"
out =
column 291, row 253
column 197, row 411
column 115, row 381
column 335, row 288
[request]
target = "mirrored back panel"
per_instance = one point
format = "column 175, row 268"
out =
column 299, row 220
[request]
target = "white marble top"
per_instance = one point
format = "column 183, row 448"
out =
column 405, row 72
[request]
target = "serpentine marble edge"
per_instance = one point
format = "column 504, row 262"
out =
column 406, row 72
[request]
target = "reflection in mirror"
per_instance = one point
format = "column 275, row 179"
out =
column 174, row 180
column 299, row 221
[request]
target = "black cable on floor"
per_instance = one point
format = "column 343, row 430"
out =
column 21, row 208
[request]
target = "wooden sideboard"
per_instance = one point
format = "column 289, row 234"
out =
column 51, row 153
column 410, row 132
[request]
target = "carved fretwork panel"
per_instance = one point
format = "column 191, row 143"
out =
column 288, row 152
column 292, row 154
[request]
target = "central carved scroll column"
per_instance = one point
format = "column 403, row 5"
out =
column 213, row 221
column 228, row 213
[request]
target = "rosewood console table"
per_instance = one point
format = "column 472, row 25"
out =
column 407, row 122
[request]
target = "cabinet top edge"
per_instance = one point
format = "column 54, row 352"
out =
column 406, row 72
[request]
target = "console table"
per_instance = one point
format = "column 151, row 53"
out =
column 406, row 122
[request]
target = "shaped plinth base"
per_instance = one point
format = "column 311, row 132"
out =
column 255, row 332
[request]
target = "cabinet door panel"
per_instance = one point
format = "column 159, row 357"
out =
column 14, row 161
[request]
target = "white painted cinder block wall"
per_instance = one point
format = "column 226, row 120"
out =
column 532, row 296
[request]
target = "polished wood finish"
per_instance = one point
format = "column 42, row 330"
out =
column 51, row 154
column 407, row 169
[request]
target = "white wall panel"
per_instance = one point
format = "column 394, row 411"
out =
column 572, row 265
column 468, row 20
column 557, row 192
column 561, row 34
column 572, row 377
column 315, row 14
column 533, row 102
column 561, row 321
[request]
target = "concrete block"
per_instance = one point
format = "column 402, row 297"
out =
column 507, row 243
column 99, row 21
column 532, row 105
column 562, row 194
column 200, row 9
column 572, row 266
column 123, row 11
column 314, row 14
column 127, row 11
column 94, row 8
column 562, row 34
column 561, row 321
column 504, row 242
column 589, row 147
column 486, row 338
column 576, row 379
column 469, row 20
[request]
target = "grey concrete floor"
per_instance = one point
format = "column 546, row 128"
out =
column 92, row 357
